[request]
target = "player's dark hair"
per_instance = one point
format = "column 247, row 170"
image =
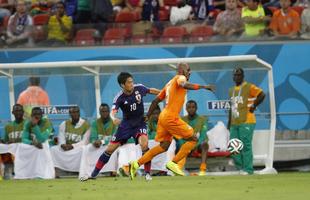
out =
column 34, row 81
column 17, row 105
column 122, row 77
column 238, row 69
column 62, row 3
column 192, row 101
column 104, row 105
column 36, row 109
column 74, row 107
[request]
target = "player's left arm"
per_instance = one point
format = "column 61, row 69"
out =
column 154, row 91
column 193, row 86
column 153, row 106
column 160, row 97
column 260, row 96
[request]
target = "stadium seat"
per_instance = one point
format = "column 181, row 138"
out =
column 40, row 22
column 5, row 21
column 85, row 37
column 137, row 16
column 163, row 15
column 219, row 154
column 125, row 17
column 201, row 34
column 114, row 36
column 40, row 19
column 173, row 34
column 141, row 39
column 171, row 2
column 298, row 9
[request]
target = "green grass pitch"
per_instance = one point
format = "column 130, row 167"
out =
column 284, row 186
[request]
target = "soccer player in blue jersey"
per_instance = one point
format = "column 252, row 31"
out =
column 130, row 101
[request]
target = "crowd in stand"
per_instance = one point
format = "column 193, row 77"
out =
column 116, row 22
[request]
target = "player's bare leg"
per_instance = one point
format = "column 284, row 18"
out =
column 148, row 156
column 204, row 155
column 186, row 148
column 143, row 141
column 103, row 159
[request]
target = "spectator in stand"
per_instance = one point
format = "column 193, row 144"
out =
column 301, row 3
column 83, row 14
column 5, row 8
column 220, row 4
column 181, row 13
column 71, row 7
column 201, row 8
column 255, row 20
column 19, row 26
column 150, row 9
column 272, row 3
column 117, row 5
column 305, row 22
column 150, row 17
column 43, row 7
column 101, row 14
column 228, row 24
column 59, row 26
column 132, row 6
column 285, row 22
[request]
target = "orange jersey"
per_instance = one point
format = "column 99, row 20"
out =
column 174, row 94
column 285, row 23
column 34, row 96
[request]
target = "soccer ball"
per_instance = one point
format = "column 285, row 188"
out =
column 235, row 146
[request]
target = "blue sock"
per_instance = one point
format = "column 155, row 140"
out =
column 103, row 159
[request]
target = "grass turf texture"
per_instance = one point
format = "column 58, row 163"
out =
column 284, row 186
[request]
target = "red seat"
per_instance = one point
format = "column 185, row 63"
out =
column 40, row 19
column 219, row 154
column 201, row 34
column 163, row 15
column 137, row 16
column 5, row 21
column 170, row 2
column 85, row 37
column 173, row 34
column 298, row 9
column 125, row 17
column 114, row 36
column 141, row 39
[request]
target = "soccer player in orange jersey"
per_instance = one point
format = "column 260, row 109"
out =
column 170, row 123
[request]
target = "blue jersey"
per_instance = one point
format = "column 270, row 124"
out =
column 131, row 105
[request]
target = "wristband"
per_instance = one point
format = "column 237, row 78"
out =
column 196, row 86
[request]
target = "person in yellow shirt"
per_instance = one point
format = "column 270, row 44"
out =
column 254, row 18
column 59, row 26
column 245, row 97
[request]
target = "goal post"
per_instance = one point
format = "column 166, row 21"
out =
column 219, row 69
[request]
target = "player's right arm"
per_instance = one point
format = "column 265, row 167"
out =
column 193, row 86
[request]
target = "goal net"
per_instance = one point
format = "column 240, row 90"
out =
column 89, row 83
